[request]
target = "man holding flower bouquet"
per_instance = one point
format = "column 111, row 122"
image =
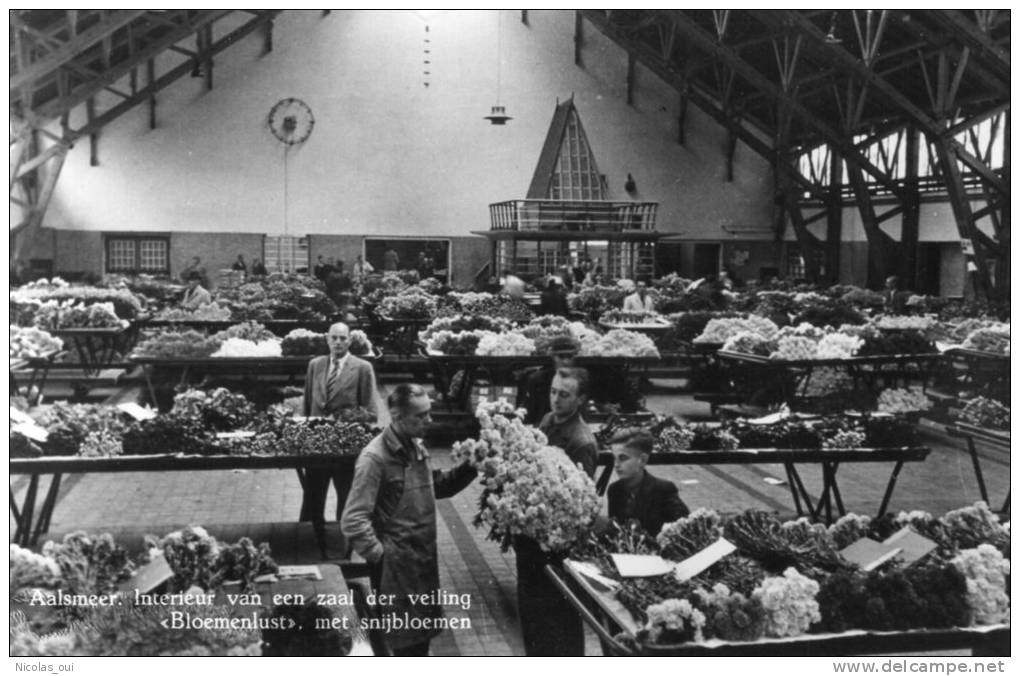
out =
column 549, row 625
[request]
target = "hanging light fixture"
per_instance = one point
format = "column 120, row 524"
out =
column 831, row 38
column 498, row 115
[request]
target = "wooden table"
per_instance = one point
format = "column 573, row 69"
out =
column 30, row 526
column 971, row 434
column 280, row 327
column 36, row 370
column 248, row 367
column 607, row 617
column 96, row 348
column 829, row 502
column 869, row 373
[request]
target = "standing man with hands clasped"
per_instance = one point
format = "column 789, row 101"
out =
column 334, row 383
column 390, row 517
column 549, row 625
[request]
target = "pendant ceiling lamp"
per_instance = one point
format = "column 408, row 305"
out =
column 498, row 115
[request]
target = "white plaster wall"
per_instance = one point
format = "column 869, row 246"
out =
column 389, row 155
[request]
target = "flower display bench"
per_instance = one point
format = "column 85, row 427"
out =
column 30, row 524
column 609, row 619
column 829, row 503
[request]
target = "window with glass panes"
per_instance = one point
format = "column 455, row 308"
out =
column 128, row 254
column 285, row 253
column 576, row 176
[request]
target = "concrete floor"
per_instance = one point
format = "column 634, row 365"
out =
column 230, row 503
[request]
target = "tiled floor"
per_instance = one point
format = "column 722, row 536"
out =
column 230, row 501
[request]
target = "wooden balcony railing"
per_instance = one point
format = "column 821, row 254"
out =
column 572, row 216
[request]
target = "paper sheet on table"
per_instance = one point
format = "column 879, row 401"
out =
column 591, row 571
column 772, row 418
column 641, row 565
column 693, row 565
column 913, row 545
column 136, row 411
column 869, row 554
column 19, row 416
column 32, row 431
column 310, row 572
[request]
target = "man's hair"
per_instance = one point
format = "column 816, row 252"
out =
column 193, row 275
column 578, row 374
column 336, row 324
column 642, row 442
column 401, row 396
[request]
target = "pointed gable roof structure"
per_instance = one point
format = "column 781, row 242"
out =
column 566, row 167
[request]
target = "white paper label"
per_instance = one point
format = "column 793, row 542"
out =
column 690, row 567
column 641, row 565
column 136, row 411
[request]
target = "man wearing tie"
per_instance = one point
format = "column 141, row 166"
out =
column 334, row 383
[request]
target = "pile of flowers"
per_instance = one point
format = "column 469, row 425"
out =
column 985, row 412
column 994, row 339
column 460, row 343
column 621, row 317
column 530, row 488
column 239, row 347
column 278, row 296
column 464, row 322
column 30, row 342
column 220, row 409
column 508, row 343
column 412, row 303
column 904, row 322
column 903, row 400
column 788, row 579
column 122, row 302
column 618, row 343
column 302, row 342
column 673, row 436
column 719, row 330
column 503, row 306
column 595, row 301
column 81, row 429
column 53, row 315
column 200, row 560
column 209, row 312
column 176, row 344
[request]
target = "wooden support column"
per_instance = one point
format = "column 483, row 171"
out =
column 267, row 45
column 960, row 201
column 681, row 120
column 90, row 116
column 150, row 74
column 207, row 63
column 578, row 38
column 631, row 60
column 911, row 220
column 834, row 218
column 882, row 249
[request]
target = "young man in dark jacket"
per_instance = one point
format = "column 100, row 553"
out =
column 639, row 495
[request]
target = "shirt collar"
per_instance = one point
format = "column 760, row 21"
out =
column 405, row 450
column 339, row 363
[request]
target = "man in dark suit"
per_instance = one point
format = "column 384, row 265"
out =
column 639, row 495
column 334, row 383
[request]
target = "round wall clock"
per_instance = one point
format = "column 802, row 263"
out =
column 291, row 121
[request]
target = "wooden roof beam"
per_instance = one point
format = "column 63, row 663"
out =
column 703, row 40
column 79, row 95
column 851, row 65
column 68, row 50
column 970, row 35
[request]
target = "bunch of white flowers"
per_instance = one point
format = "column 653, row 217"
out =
column 509, row 343
column 674, row 620
column 238, row 347
column 902, row 400
column 30, row 570
column 837, row 346
column 845, row 439
column 789, row 601
column 986, row 571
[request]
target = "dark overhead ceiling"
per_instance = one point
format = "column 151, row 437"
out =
column 844, row 72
